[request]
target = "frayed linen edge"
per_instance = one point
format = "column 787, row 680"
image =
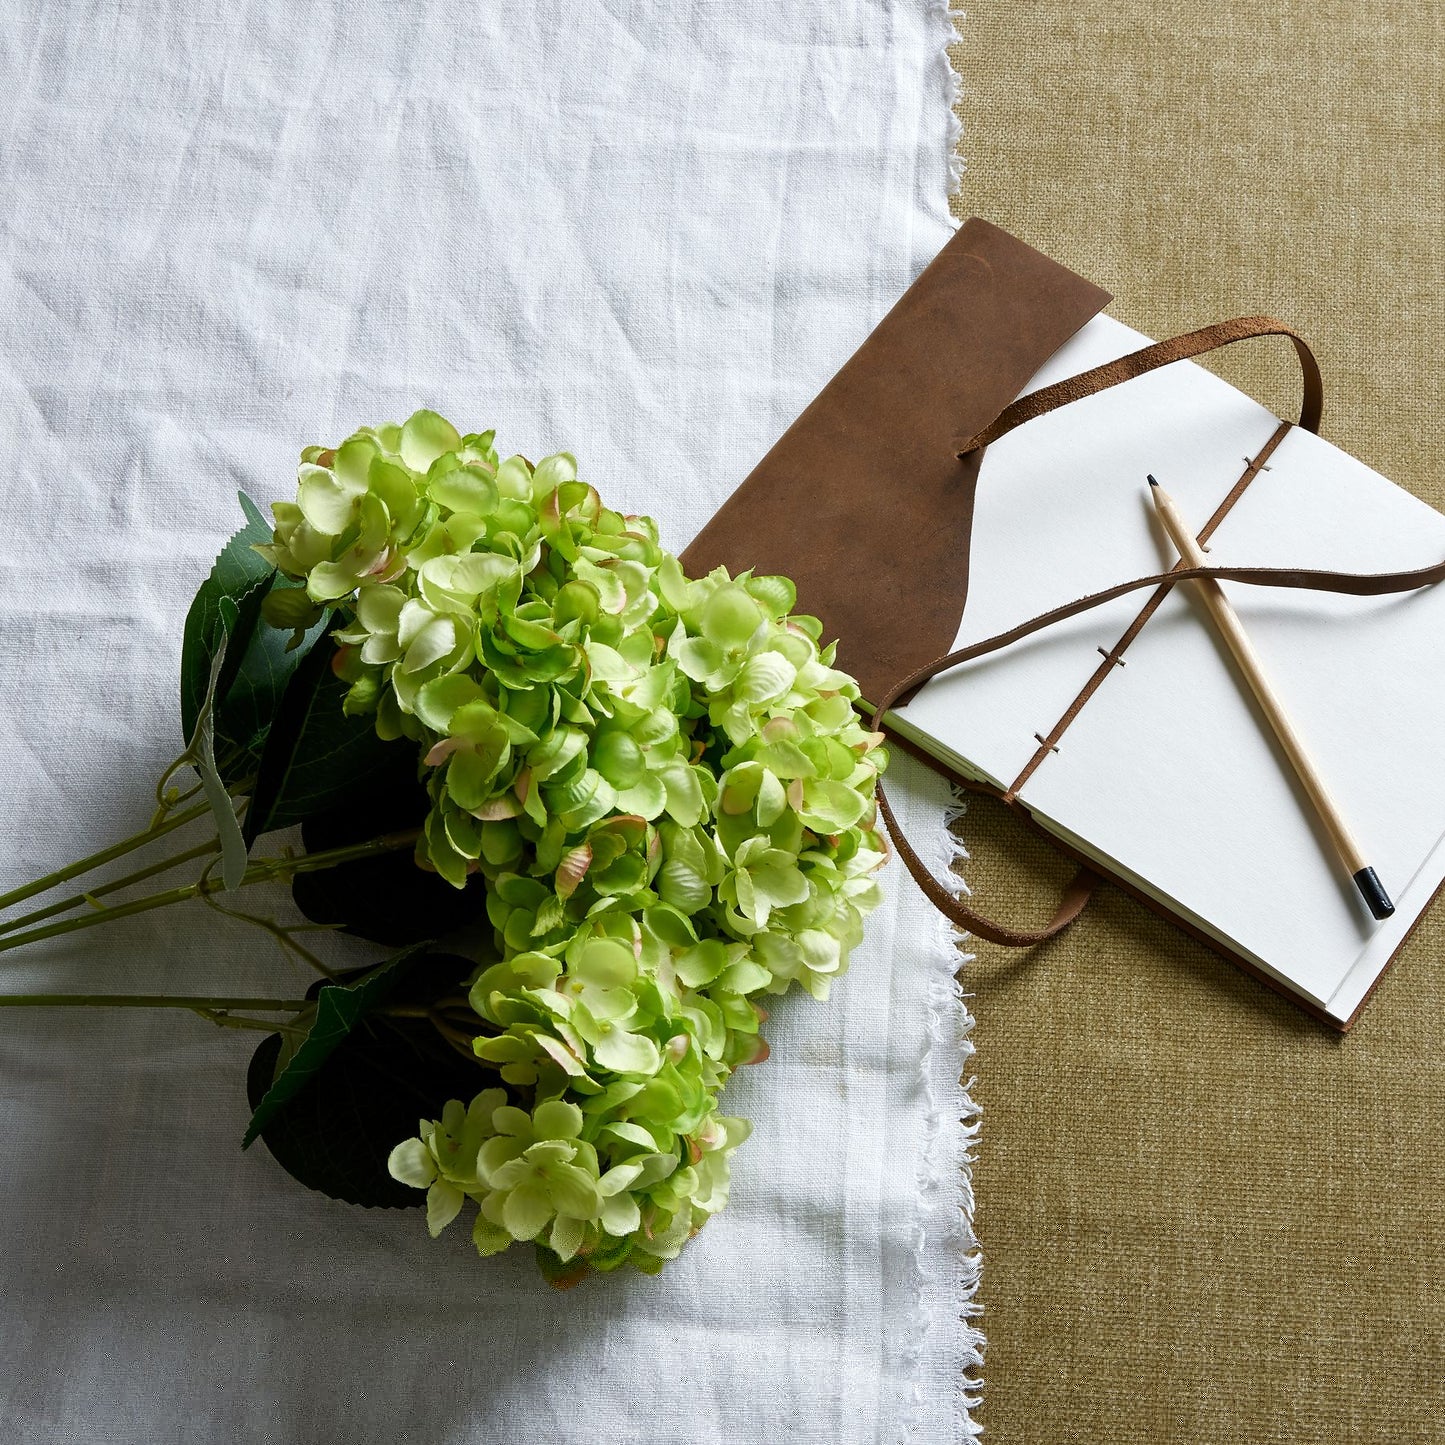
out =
column 948, row 1261
column 947, row 21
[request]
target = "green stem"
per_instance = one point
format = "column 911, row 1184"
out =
column 116, row 850
column 149, row 1000
column 9, row 925
column 242, row 1021
column 262, row 871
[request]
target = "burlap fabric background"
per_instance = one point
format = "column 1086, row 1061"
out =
column 1204, row 1217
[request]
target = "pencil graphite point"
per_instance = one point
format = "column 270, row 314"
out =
column 1152, row 482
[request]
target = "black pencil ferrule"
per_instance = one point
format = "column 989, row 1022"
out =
column 1373, row 892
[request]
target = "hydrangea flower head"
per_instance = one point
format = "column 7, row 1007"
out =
column 664, row 783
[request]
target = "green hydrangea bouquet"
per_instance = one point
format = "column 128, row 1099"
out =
column 602, row 808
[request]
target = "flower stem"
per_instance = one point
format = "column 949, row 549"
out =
column 261, row 871
column 9, row 925
column 149, row 1000
column 116, row 850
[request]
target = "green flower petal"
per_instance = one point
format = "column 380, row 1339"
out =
column 325, row 502
column 526, row 1211
column 442, row 696
column 489, row 1238
column 411, row 1163
column 566, row 1236
column 573, row 1191
column 627, row 1053
column 606, row 962
column 557, row 1119
column 425, row 437
column 352, row 464
column 436, row 640
column 443, row 1204
column 620, row 1215
column 467, row 489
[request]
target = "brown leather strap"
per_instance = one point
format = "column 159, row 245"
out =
column 1355, row 584
column 1070, row 905
column 1161, row 353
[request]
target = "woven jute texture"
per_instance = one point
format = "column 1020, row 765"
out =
column 1205, row 1217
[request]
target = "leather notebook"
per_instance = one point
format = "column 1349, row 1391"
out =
column 964, row 507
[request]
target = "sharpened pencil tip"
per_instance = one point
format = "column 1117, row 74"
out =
column 1152, row 482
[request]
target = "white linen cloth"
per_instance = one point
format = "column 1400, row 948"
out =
column 646, row 234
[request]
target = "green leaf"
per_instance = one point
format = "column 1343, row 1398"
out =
column 237, row 570
column 339, row 1008
column 258, row 666
column 338, row 1130
column 315, row 755
column 253, row 698
column 385, row 897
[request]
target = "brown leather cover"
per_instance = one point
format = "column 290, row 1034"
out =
column 864, row 502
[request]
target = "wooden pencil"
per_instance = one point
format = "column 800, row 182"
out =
column 1237, row 640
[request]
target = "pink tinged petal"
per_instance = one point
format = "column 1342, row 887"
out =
column 382, row 565
column 795, row 795
column 498, row 810
column 562, row 1054
column 573, row 869
column 526, row 1211
column 759, row 1051
column 441, row 751
column 694, row 1150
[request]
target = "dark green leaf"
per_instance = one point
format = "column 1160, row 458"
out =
column 385, row 898
column 336, row 1132
column 339, row 1007
column 314, row 754
column 236, row 572
column 258, row 666
column 253, row 697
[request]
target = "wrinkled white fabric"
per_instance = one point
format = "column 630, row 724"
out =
column 644, row 233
